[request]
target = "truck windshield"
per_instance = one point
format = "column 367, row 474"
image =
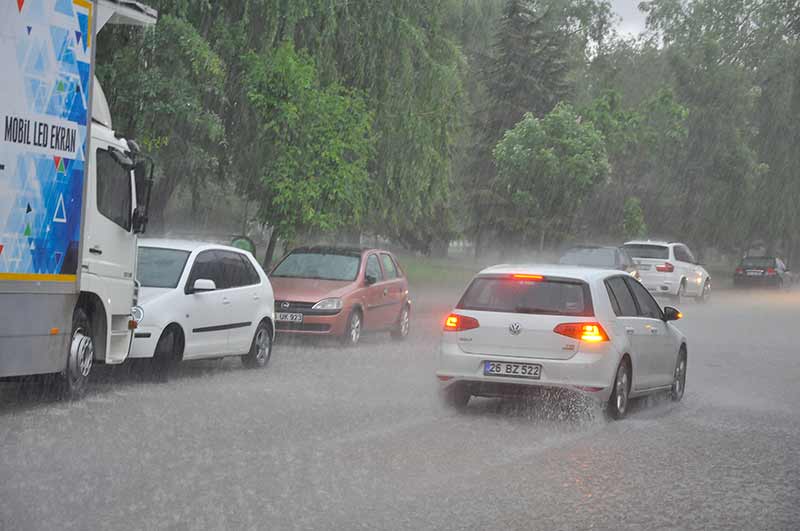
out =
column 160, row 268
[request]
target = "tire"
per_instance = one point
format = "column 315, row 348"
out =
column 705, row 295
column 456, row 396
column 166, row 357
column 352, row 332
column 679, row 377
column 261, row 348
column 72, row 382
column 618, row 402
column 403, row 325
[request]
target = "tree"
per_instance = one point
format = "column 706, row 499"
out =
column 545, row 169
column 313, row 146
column 633, row 224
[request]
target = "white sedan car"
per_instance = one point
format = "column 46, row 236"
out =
column 201, row 300
column 598, row 332
column 670, row 269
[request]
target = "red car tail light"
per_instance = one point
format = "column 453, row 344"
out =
column 589, row 332
column 771, row 271
column 459, row 323
column 666, row 267
column 739, row 270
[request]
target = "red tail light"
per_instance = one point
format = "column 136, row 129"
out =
column 666, row 267
column 589, row 332
column 771, row 271
column 459, row 323
column 739, row 270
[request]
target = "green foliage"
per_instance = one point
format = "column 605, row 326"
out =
column 313, row 145
column 633, row 224
column 545, row 169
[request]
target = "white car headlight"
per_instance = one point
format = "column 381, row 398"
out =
column 137, row 312
column 328, row 304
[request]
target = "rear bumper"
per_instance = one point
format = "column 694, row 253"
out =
column 661, row 285
column 763, row 280
column 588, row 373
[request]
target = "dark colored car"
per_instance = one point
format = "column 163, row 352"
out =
column 764, row 271
column 602, row 257
column 342, row 292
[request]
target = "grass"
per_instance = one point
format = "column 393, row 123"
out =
column 444, row 273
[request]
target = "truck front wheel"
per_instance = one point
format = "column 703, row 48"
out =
column 74, row 379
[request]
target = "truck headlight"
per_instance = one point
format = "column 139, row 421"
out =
column 329, row 304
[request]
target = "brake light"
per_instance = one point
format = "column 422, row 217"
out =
column 771, row 271
column 527, row 277
column 589, row 332
column 459, row 323
column 739, row 270
column 666, row 267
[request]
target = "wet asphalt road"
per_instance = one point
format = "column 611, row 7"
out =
column 326, row 438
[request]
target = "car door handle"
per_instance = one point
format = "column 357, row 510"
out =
column 654, row 331
column 630, row 331
column 96, row 250
column 256, row 297
column 226, row 301
column 385, row 291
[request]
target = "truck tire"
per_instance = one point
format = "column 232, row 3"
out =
column 72, row 382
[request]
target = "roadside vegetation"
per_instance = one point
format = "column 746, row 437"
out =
column 513, row 124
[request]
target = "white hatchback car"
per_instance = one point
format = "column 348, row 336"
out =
column 201, row 300
column 598, row 332
column 670, row 269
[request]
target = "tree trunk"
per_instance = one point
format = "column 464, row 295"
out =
column 273, row 241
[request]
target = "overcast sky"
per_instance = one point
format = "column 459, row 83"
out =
column 632, row 18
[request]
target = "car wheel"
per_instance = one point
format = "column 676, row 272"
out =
column 403, row 325
column 352, row 332
column 261, row 349
column 705, row 295
column 456, row 396
column 618, row 401
column 166, row 357
column 73, row 381
column 679, row 377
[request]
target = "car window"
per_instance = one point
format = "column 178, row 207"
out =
column 636, row 250
column 648, row 307
column 113, row 190
column 388, row 267
column 234, row 273
column 545, row 297
column 758, row 261
column 374, row 268
column 319, row 265
column 251, row 275
column 160, row 268
column 621, row 298
column 626, row 259
column 682, row 254
column 206, row 266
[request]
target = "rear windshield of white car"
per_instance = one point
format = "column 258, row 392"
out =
column 321, row 266
column 160, row 268
column 544, row 297
column 648, row 251
column 590, row 257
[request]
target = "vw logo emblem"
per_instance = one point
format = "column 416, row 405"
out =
column 514, row 329
column 285, row 305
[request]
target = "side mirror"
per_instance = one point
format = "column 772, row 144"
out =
column 203, row 284
column 370, row 280
column 671, row 314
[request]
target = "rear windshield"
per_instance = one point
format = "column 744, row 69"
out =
column 160, row 268
column 546, row 297
column 648, row 251
column 589, row 257
column 322, row 266
column 758, row 261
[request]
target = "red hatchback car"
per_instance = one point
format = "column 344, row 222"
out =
column 342, row 292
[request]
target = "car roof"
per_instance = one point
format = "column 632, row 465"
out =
column 336, row 249
column 185, row 245
column 546, row 270
column 650, row 242
column 591, row 247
